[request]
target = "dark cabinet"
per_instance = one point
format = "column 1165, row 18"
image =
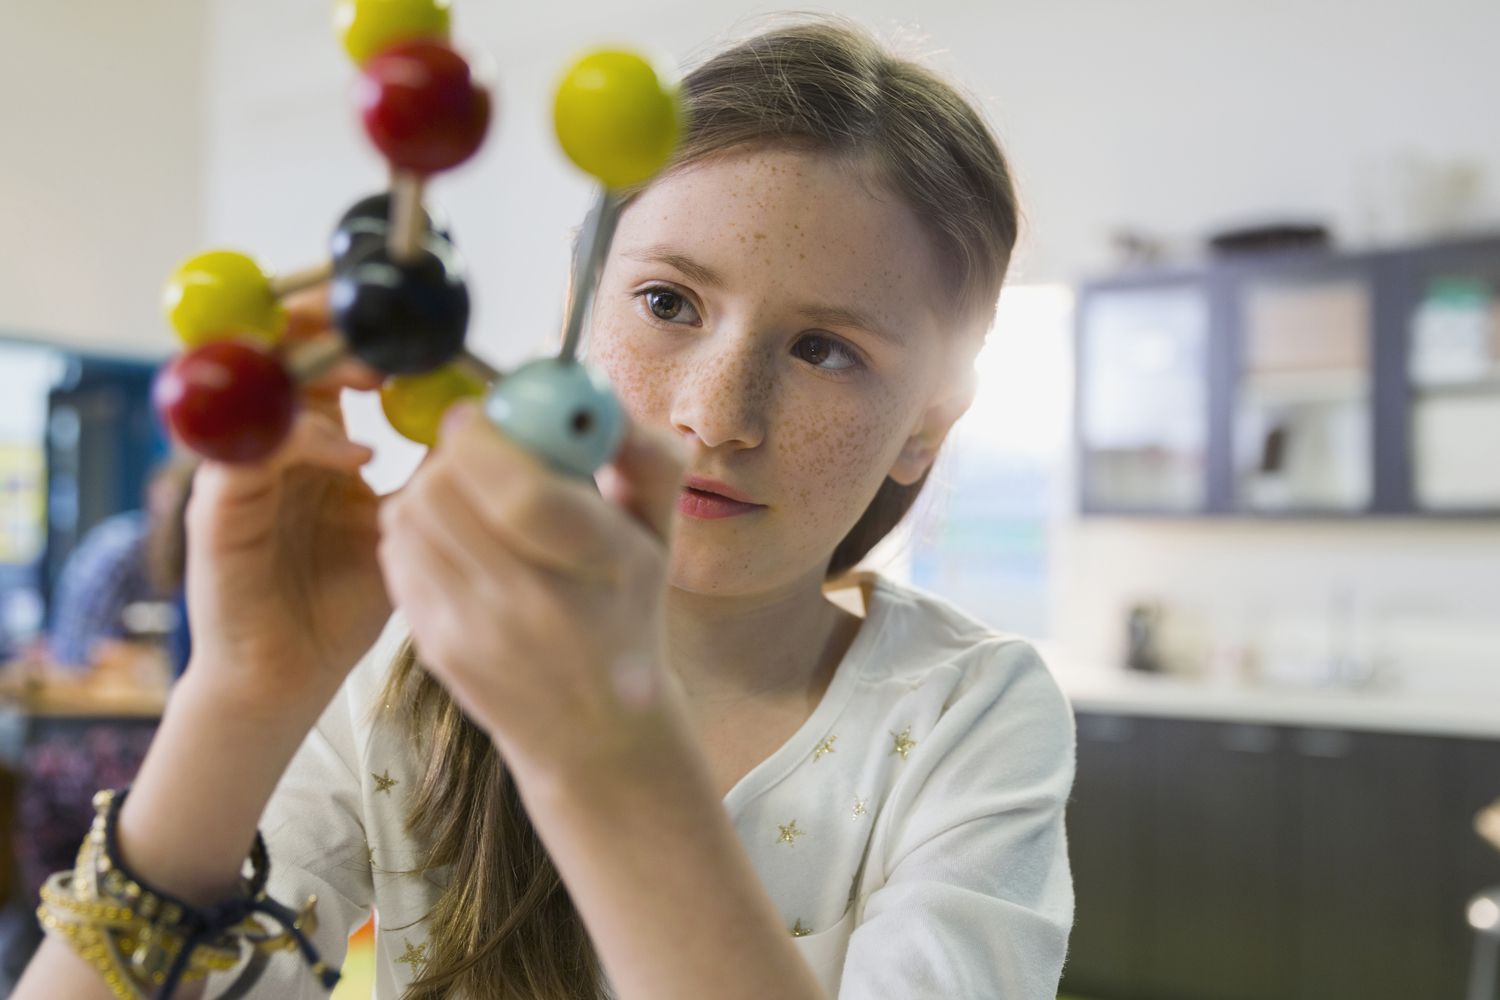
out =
column 1294, row 384
column 1218, row 854
column 1376, row 821
column 1107, row 840
column 1231, row 861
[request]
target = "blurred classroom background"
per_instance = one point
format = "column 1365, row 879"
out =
column 1235, row 461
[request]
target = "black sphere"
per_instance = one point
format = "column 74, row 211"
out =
column 368, row 221
column 404, row 317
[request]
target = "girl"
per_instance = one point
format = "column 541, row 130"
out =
column 624, row 742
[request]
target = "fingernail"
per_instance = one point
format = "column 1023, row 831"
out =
column 456, row 416
column 636, row 681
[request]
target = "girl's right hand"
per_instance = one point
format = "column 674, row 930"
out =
column 284, row 592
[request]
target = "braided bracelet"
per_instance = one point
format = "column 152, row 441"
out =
column 140, row 938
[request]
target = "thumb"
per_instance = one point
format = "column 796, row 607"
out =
column 645, row 476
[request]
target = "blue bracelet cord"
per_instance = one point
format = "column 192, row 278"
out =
column 209, row 922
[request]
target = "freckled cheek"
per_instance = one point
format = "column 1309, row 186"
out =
column 641, row 380
column 833, row 462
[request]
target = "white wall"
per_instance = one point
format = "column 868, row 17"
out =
column 125, row 150
column 101, row 140
column 1419, row 601
column 1176, row 115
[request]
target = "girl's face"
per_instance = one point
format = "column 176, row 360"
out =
column 783, row 316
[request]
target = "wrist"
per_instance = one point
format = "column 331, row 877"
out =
column 650, row 732
column 216, row 758
column 214, row 687
column 661, row 760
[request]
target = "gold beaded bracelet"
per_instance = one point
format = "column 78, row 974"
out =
column 141, row 939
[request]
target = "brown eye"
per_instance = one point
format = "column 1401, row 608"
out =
column 818, row 353
column 664, row 304
column 816, row 350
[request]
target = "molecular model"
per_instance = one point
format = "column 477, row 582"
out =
column 399, row 299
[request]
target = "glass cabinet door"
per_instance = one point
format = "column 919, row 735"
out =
column 1303, row 421
column 1453, row 370
column 1143, row 405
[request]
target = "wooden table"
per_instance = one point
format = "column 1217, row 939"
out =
column 60, row 740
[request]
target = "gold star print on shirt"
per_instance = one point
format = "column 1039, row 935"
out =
column 415, row 955
column 799, row 931
column 904, row 742
column 383, row 782
column 826, row 746
column 789, row 833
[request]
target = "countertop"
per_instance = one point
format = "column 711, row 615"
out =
column 1093, row 688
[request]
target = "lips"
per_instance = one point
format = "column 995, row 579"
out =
column 703, row 484
column 711, row 506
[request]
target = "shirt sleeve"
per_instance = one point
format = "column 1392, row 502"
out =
column 315, row 835
column 977, row 900
column 100, row 577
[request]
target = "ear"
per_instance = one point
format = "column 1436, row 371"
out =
column 949, row 402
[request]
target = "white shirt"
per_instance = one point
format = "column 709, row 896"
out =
column 910, row 832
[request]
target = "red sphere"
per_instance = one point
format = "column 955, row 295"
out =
column 422, row 108
column 228, row 400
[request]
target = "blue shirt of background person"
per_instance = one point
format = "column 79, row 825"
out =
column 103, row 575
column 131, row 557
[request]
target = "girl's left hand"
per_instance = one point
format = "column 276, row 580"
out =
column 534, row 599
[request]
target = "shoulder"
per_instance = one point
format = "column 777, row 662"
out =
column 350, row 720
column 119, row 531
column 111, row 539
column 322, row 793
column 989, row 691
column 922, row 634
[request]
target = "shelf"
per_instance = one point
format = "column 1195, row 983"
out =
column 1314, row 386
column 1485, row 386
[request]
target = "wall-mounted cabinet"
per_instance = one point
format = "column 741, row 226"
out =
column 1145, row 363
column 1299, row 384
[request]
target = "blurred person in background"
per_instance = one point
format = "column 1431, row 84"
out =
column 132, row 558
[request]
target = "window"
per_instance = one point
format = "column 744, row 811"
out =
column 983, row 531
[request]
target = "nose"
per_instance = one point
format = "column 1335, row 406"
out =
column 725, row 397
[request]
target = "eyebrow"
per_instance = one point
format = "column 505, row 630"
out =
column 843, row 316
column 822, row 315
column 660, row 253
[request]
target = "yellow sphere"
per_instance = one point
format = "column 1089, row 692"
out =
column 367, row 26
column 616, row 118
column 415, row 404
column 222, row 294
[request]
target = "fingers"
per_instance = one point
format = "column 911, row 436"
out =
column 645, row 477
column 310, row 315
column 308, row 311
column 485, row 497
column 316, row 439
column 319, row 440
column 347, row 373
column 432, row 507
column 419, row 573
column 550, row 520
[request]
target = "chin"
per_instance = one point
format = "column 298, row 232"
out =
column 729, row 575
column 708, row 580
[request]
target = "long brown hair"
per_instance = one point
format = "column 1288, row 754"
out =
column 504, row 926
